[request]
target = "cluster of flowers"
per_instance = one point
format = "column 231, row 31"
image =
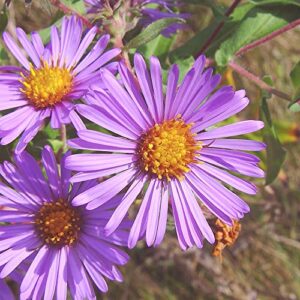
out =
column 63, row 227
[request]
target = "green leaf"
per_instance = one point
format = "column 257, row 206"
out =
column 259, row 22
column 193, row 46
column 3, row 56
column 45, row 33
column 275, row 152
column 77, row 5
column 151, row 32
column 50, row 132
column 56, row 145
column 295, row 106
column 268, row 80
column 159, row 47
column 184, row 66
column 3, row 19
column 295, row 78
column 4, row 153
column 275, row 2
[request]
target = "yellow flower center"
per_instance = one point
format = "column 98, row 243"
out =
column 46, row 86
column 167, row 149
column 58, row 223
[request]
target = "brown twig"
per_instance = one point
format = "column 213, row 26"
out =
column 255, row 79
column 268, row 37
column 228, row 12
column 69, row 11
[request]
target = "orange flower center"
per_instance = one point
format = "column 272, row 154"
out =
column 46, row 86
column 58, row 223
column 167, row 149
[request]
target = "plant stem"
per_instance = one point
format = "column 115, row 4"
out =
column 63, row 137
column 255, row 79
column 268, row 37
column 228, row 12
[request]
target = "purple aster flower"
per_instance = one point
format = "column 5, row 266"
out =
column 64, row 245
column 48, row 82
column 164, row 151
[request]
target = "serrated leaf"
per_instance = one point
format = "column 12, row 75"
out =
column 259, row 22
column 275, row 152
column 151, row 32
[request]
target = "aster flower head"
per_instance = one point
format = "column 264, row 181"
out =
column 64, row 246
column 165, row 152
column 49, row 80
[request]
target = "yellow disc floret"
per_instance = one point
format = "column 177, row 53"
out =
column 167, row 149
column 46, row 86
column 58, row 223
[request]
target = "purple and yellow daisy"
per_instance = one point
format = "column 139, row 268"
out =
column 64, row 245
column 48, row 82
column 165, row 151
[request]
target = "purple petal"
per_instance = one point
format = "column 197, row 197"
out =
column 237, row 128
column 236, row 144
column 105, row 190
column 103, row 119
column 180, row 219
column 15, row 50
column 171, row 90
column 156, row 78
column 236, row 182
column 50, row 165
column 52, row 271
column 120, row 212
column 135, row 231
column 116, row 144
column 61, row 291
column 145, row 83
column 95, row 162
column 28, row 47
column 196, row 212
